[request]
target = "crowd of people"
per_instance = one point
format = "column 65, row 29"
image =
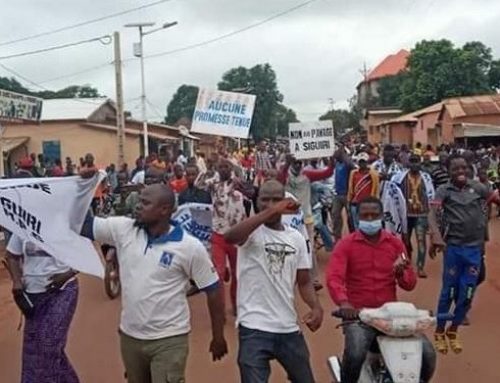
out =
column 382, row 196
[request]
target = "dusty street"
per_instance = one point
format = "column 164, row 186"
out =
column 93, row 341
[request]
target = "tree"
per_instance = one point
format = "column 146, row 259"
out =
column 283, row 117
column 73, row 91
column 437, row 70
column 182, row 104
column 343, row 119
column 259, row 80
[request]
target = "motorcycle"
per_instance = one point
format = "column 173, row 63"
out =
column 399, row 358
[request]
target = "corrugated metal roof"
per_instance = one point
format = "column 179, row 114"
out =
column 413, row 116
column 70, row 108
column 473, row 105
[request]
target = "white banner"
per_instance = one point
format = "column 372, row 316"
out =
column 223, row 113
column 16, row 106
column 311, row 139
column 196, row 219
column 50, row 213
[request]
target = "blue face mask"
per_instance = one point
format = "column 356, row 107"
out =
column 370, row 227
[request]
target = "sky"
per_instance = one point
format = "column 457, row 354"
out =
column 317, row 51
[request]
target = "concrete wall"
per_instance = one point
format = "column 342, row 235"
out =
column 76, row 140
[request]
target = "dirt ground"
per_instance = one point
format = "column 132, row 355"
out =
column 93, row 340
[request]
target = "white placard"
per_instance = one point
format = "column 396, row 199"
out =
column 16, row 106
column 311, row 139
column 223, row 113
column 49, row 212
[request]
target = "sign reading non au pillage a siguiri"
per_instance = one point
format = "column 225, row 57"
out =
column 223, row 113
column 311, row 139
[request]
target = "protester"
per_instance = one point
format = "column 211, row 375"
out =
column 157, row 260
column 272, row 258
column 25, row 168
column 152, row 176
column 70, row 168
column 193, row 193
column 387, row 166
column 112, row 177
column 200, row 161
column 343, row 167
column 297, row 181
column 363, row 182
column 418, row 191
column 181, row 158
column 228, row 211
column 404, row 155
column 363, row 272
column 458, row 226
column 46, row 292
column 418, row 149
column 139, row 166
column 262, row 162
column 427, row 165
column 178, row 183
column 440, row 173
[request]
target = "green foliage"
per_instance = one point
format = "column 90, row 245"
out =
column 283, row 117
column 259, row 80
column 437, row 70
column 343, row 119
column 73, row 91
column 182, row 104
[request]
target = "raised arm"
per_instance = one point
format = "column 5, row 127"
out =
column 318, row 175
column 240, row 233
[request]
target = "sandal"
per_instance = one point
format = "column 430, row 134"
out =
column 440, row 343
column 454, row 340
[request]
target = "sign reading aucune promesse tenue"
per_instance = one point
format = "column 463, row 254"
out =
column 223, row 113
column 16, row 106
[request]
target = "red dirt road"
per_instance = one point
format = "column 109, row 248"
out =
column 93, row 341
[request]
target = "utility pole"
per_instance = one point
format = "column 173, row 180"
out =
column 120, row 114
column 139, row 52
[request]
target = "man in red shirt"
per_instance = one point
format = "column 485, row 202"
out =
column 178, row 183
column 363, row 272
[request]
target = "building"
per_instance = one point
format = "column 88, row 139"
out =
column 372, row 119
column 418, row 126
column 390, row 66
column 74, row 127
column 465, row 119
column 368, row 93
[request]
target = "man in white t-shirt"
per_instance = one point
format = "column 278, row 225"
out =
column 272, row 258
column 157, row 259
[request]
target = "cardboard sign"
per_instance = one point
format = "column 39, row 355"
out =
column 223, row 113
column 311, row 139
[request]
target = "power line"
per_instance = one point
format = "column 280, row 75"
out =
column 230, row 34
column 192, row 46
column 81, row 24
column 83, row 71
column 102, row 39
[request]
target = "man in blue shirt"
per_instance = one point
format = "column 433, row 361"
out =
column 343, row 167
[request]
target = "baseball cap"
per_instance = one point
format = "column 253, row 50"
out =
column 363, row 157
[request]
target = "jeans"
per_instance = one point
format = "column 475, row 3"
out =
column 462, row 265
column 322, row 229
column 353, row 209
column 359, row 339
column 339, row 204
column 420, row 225
column 258, row 348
